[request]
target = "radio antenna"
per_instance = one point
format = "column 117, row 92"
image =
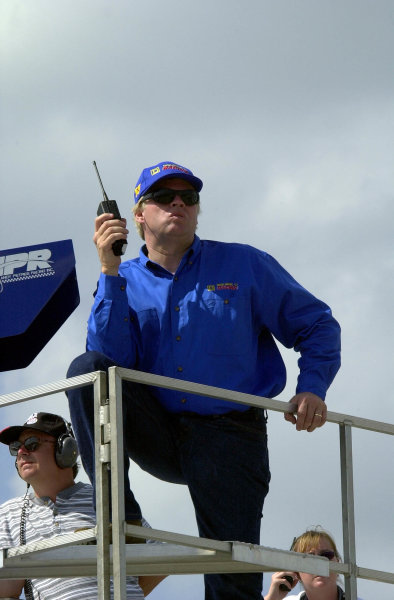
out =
column 101, row 183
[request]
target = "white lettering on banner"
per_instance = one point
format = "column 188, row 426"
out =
column 33, row 260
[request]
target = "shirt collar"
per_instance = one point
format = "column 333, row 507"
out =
column 64, row 494
column 340, row 594
column 194, row 249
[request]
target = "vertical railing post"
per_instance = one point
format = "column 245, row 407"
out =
column 348, row 520
column 101, row 452
column 117, row 484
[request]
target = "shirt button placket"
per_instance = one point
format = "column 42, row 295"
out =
column 123, row 289
column 178, row 338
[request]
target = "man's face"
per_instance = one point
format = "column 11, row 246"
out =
column 174, row 220
column 39, row 464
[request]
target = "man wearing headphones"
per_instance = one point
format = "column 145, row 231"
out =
column 46, row 455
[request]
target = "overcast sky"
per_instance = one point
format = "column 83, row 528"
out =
column 285, row 110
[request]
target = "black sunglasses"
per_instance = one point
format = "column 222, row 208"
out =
column 30, row 444
column 330, row 554
column 166, row 196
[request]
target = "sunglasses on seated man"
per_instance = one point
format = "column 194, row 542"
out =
column 166, row 196
column 30, row 444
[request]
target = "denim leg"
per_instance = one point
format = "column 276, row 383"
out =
column 148, row 437
column 225, row 463
column 81, row 404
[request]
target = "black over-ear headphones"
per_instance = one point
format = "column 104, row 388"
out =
column 66, row 452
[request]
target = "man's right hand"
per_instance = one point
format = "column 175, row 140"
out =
column 107, row 231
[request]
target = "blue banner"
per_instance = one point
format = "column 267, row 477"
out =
column 38, row 292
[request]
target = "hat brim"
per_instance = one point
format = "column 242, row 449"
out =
column 11, row 434
column 194, row 181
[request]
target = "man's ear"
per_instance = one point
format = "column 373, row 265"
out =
column 139, row 216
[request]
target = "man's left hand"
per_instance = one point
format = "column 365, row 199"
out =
column 311, row 412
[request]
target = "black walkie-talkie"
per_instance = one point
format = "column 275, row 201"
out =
column 110, row 206
column 283, row 587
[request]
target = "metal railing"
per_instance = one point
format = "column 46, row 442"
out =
column 65, row 557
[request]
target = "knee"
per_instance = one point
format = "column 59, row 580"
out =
column 89, row 362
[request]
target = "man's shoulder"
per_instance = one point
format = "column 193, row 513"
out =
column 78, row 489
column 82, row 486
column 237, row 254
column 231, row 247
column 11, row 504
column 10, row 513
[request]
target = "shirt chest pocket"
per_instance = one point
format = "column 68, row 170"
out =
column 227, row 325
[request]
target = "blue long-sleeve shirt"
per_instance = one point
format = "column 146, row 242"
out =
column 214, row 322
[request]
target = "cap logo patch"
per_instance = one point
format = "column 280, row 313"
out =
column 137, row 190
column 175, row 168
column 155, row 171
column 32, row 419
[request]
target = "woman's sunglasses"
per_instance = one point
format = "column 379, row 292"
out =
column 30, row 444
column 330, row 554
column 166, row 196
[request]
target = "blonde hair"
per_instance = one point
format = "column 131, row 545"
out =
column 137, row 207
column 311, row 538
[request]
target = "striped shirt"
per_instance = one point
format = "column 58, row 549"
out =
column 45, row 519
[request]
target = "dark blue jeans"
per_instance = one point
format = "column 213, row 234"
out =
column 223, row 459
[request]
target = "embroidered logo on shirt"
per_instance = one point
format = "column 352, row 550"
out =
column 222, row 286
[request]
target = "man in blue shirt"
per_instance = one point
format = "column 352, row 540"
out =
column 207, row 312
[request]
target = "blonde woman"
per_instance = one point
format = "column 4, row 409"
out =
column 316, row 587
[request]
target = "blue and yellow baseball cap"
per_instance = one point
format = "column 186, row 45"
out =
column 164, row 170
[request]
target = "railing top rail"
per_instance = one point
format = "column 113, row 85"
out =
column 242, row 398
column 192, row 388
column 50, row 388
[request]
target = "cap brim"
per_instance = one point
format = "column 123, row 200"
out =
column 194, row 181
column 10, row 434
